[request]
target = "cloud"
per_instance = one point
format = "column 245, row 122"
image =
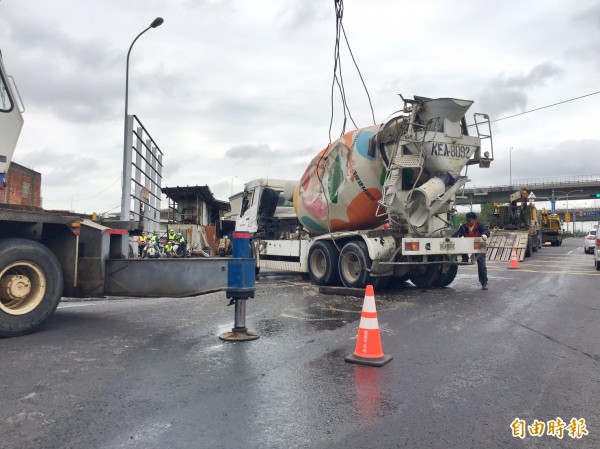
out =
column 586, row 49
column 507, row 93
column 250, row 152
column 589, row 18
column 57, row 166
column 63, row 74
column 303, row 14
column 235, row 88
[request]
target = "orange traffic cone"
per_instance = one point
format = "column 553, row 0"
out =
column 368, row 343
column 514, row 262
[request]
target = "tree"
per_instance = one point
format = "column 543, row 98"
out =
column 487, row 213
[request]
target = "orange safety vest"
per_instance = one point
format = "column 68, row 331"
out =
column 473, row 231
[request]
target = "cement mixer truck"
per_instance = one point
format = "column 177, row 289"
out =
column 376, row 205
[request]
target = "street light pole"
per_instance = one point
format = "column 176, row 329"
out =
column 72, row 196
column 510, row 164
column 232, row 178
column 126, row 155
column 567, row 196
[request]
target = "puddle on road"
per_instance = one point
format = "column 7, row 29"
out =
column 308, row 310
column 320, row 312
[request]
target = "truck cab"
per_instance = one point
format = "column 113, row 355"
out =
column 267, row 209
column 11, row 121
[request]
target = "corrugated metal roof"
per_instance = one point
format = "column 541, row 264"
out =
column 191, row 193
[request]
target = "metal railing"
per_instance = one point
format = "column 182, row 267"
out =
column 576, row 181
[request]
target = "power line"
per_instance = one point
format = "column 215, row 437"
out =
column 88, row 197
column 544, row 107
column 106, row 211
column 101, row 191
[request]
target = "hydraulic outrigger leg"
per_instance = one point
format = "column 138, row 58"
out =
column 240, row 287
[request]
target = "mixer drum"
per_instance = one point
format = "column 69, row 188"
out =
column 341, row 187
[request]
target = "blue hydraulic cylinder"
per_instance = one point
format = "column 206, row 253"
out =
column 241, row 274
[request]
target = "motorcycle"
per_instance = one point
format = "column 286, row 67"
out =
column 180, row 250
column 152, row 251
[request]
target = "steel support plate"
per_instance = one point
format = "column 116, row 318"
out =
column 165, row 277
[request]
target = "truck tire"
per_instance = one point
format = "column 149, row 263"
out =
column 426, row 276
column 445, row 279
column 529, row 248
column 323, row 263
column 31, row 285
column 398, row 281
column 354, row 263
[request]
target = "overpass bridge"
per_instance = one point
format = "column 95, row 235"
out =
column 580, row 215
column 563, row 188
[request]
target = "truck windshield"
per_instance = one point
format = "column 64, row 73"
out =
column 282, row 202
column 5, row 103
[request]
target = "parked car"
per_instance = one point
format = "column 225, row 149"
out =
column 597, row 250
column 589, row 242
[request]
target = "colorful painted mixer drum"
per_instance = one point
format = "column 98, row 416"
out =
column 341, row 187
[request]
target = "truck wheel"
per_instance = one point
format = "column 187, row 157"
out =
column 31, row 285
column 397, row 281
column 529, row 247
column 426, row 276
column 447, row 278
column 323, row 263
column 353, row 265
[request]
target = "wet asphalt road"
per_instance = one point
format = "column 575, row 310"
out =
column 151, row 373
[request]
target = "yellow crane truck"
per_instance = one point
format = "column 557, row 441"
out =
column 515, row 226
column 551, row 228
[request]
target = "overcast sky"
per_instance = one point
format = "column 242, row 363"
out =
column 236, row 90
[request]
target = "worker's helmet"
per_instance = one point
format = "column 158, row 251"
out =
column 143, row 233
column 178, row 235
column 171, row 231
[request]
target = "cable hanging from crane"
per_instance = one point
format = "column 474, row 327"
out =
column 338, row 79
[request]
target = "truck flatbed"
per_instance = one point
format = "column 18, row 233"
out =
column 25, row 214
column 501, row 244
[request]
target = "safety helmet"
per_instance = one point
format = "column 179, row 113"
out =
column 171, row 231
column 178, row 235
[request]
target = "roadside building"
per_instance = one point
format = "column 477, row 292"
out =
column 23, row 187
column 196, row 214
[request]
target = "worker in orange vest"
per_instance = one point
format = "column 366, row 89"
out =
column 474, row 228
